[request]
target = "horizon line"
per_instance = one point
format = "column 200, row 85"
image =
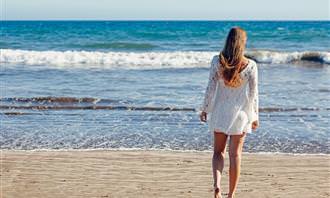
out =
column 215, row 20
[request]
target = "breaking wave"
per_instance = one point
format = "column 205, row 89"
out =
column 174, row 59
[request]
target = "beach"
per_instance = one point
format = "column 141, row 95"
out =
column 152, row 173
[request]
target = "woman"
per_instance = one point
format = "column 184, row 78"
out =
column 231, row 98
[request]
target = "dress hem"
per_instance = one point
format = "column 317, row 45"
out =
column 229, row 133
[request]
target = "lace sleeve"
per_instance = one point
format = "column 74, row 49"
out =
column 211, row 87
column 254, row 94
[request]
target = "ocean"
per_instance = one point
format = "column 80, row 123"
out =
column 139, row 84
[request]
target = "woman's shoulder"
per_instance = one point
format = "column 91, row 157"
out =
column 252, row 69
column 252, row 65
column 215, row 59
column 215, row 62
column 252, row 62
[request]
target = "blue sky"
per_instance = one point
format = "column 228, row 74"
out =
column 165, row 9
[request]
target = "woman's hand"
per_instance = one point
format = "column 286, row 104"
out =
column 203, row 116
column 255, row 125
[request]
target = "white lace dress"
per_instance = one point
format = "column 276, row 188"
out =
column 232, row 110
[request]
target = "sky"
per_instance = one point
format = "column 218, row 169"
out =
column 165, row 9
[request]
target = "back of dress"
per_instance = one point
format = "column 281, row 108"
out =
column 232, row 109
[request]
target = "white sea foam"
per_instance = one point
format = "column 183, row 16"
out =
column 174, row 59
column 264, row 56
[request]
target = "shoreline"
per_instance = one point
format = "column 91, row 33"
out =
column 157, row 173
column 160, row 150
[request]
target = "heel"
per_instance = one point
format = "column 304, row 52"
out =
column 217, row 193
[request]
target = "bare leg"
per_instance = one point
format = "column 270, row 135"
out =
column 235, row 151
column 218, row 160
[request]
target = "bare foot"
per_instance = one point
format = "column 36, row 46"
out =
column 230, row 196
column 217, row 193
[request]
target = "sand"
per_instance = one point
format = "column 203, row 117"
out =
column 110, row 173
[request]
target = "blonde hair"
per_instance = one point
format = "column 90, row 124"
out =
column 231, row 57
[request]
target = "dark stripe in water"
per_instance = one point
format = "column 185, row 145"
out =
column 133, row 108
column 115, row 46
column 20, row 113
column 55, row 103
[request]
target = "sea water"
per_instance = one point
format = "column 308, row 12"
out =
column 139, row 84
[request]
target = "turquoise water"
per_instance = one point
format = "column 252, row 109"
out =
column 160, row 36
column 104, row 84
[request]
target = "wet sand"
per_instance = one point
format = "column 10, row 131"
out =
column 110, row 173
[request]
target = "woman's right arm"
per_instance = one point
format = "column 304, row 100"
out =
column 254, row 97
column 211, row 87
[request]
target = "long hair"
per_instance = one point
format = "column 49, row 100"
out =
column 231, row 57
